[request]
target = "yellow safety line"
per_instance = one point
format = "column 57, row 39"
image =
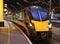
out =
column 8, row 35
column 8, row 30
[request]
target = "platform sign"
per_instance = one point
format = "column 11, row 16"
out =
column 1, row 13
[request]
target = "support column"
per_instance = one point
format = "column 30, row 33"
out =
column 1, row 14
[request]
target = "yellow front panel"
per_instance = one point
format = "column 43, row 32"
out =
column 1, row 10
column 41, row 26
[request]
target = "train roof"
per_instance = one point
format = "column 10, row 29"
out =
column 37, row 8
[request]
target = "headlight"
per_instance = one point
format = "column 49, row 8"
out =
column 30, row 24
column 50, row 25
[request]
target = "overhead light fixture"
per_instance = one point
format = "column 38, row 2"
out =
column 25, row 0
column 5, row 10
column 34, row 6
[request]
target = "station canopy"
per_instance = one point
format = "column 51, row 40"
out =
column 17, row 5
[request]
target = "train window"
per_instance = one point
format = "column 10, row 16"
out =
column 34, row 14
column 39, row 15
column 44, row 15
column 22, row 16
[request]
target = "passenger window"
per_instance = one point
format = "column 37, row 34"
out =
column 22, row 16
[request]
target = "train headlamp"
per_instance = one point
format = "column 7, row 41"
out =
column 50, row 25
column 30, row 24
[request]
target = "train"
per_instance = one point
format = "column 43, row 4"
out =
column 38, row 21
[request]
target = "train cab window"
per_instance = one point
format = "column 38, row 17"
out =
column 44, row 15
column 34, row 15
column 38, row 14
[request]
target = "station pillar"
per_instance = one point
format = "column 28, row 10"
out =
column 1, row 14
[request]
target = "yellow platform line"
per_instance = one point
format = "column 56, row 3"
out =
column 9, row 30
column 6, row 24
column 8, row 35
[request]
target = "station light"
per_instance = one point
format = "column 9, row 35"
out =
column 5, row 10
column 5, row 5
column 34, row 7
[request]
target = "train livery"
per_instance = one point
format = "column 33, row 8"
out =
column 37, row 20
